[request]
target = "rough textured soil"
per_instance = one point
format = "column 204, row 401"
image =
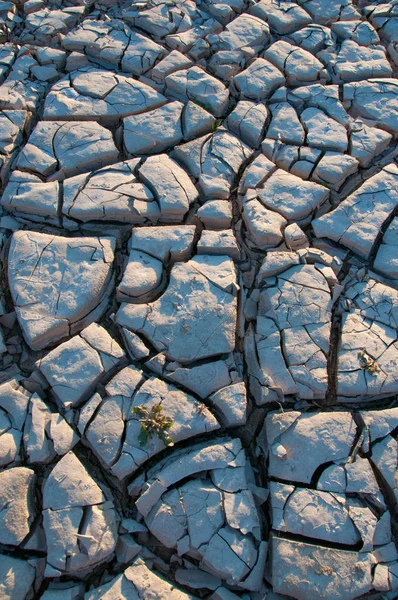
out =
column 198, row 300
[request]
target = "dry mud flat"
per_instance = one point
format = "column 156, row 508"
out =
column 198, row 300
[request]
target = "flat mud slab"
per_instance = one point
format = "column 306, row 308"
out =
column 198, row 300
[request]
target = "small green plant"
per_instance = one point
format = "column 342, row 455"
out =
column 368, row 363
column 153, row 422
column 216, row 125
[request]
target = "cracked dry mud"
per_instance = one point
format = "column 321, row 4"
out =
column 199, row 300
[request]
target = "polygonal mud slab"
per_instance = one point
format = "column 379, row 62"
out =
column 113, row 43
column 199, row 303
column 61, row 149
column 79, row 519
column 58, row 284
column 356, row 222
column 329, row 535
column 93, row 94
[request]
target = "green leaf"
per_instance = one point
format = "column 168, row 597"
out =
column 143, row 437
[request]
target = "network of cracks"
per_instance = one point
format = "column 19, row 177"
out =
column 198, row 300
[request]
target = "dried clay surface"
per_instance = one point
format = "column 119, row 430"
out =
column 199, row 300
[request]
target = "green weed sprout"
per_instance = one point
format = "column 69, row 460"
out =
column 153, row 422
